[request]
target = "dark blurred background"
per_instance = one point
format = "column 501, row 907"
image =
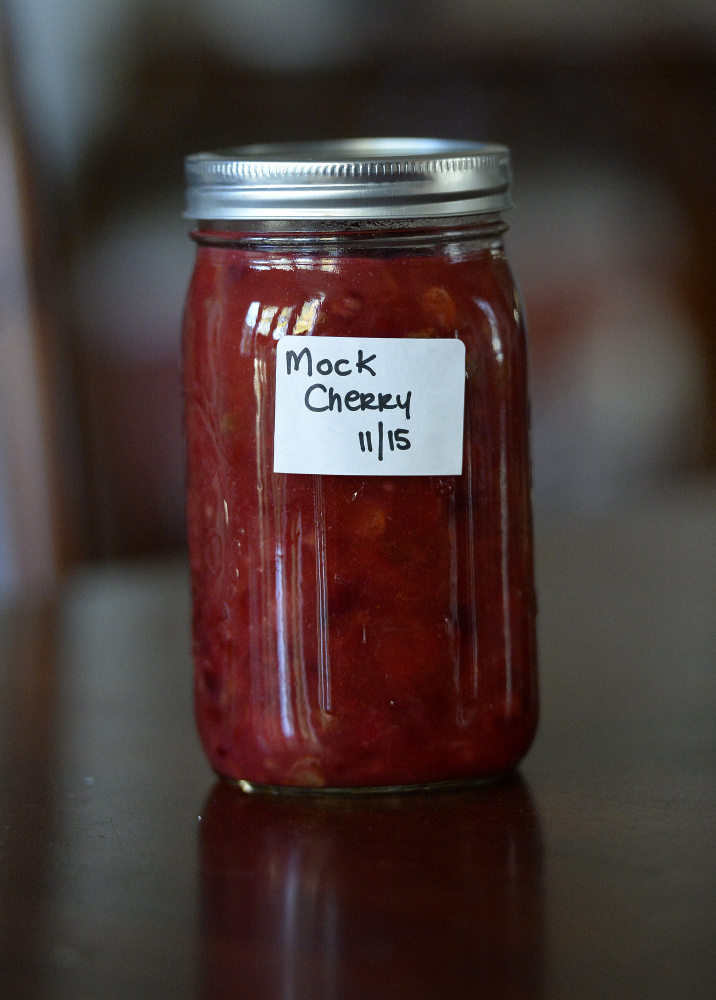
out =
column 610, row 110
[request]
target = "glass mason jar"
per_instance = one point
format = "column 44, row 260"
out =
column 358, row 504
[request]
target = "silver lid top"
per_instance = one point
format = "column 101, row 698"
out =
column 349, row 179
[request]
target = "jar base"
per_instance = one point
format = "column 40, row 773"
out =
column 255, row 788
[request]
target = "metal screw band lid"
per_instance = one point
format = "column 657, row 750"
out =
column 349, row 179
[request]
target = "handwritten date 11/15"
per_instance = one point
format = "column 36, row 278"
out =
column 397, row 439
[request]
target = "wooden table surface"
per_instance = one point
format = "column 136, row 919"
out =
column 127, row 871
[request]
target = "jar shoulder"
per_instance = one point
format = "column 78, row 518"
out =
column 406, row 295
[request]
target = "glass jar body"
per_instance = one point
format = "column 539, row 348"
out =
column 357, row 631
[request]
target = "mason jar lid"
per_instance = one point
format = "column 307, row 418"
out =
column 349, row 179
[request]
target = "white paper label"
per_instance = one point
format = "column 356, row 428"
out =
column 360, row 406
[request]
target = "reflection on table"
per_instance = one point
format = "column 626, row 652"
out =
column 414, row 895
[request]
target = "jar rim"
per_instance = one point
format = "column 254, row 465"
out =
column 348, row 179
